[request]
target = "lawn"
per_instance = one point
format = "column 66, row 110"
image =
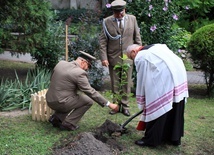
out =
column 20, row 135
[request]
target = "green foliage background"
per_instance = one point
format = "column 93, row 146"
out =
column 26, row 18
column 201, row 49
column 151, row 13
column 196, row 14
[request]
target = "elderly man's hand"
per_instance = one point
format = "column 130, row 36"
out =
column 114, row 107
column 105, row 63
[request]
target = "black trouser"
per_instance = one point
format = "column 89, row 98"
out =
column 167, row 128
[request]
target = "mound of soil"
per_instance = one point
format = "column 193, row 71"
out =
column 101, row 142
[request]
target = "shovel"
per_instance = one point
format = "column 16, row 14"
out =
column 122, row 127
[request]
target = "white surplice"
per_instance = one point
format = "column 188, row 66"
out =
column 161, row 80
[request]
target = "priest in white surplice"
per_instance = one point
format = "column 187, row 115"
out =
column 161, row 92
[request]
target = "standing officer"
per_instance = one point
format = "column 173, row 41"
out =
column 70, row 93
column 119, row 31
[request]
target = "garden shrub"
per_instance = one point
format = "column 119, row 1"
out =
column 52, row 46
column 63, row 14
column 35, row 31
column 201, row 49
column 197, row 13
column 180, row 38
column 1, row 34
column 155, row 19
column 28, row 19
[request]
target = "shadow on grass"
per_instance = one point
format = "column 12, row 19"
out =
column 198, row 91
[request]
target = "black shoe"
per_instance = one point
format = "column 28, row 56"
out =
column 55, row 121
column 68, row 127
column 125, row 112
column 141, row 143
column 176, row 143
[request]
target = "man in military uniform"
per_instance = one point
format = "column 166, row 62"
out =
column 70, row 93
column 119, row 31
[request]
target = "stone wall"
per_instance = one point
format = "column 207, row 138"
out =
column 88, row 4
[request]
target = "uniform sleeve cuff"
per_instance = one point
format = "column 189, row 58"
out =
column 107, row 104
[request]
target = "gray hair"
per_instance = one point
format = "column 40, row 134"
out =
column 131, row 47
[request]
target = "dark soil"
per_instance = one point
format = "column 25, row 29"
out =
column 101, row 142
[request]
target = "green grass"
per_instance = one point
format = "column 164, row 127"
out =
column 5, row 64
column 21, row 135
column 188, row 65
